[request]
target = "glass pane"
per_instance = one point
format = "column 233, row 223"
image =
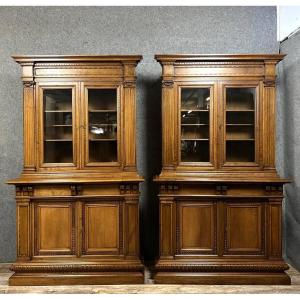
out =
column 102, row 107
column 58, row 140
column 195, row 106
column 240, row 124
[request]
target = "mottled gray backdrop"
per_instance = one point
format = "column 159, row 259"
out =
column 118, row 30
column 289, row 97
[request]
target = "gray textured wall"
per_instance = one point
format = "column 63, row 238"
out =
column 289, row 94
column 116, row 30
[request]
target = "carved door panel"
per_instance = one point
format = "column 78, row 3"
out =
column 102, row 228
column 196, row 227
column 244, row 228
column 54, row 228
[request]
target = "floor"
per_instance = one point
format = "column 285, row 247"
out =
column 148, row 288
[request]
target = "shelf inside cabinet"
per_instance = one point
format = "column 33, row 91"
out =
column 102, row 140
column 196, row 110
column 183, row 139
column 195, row 124
column 102, row 110
column 239, row 139
column 58, row 111
column 58, row 140
column 240, row 110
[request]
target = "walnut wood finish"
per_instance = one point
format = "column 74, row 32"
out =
column 220, row 221
column 78, row 221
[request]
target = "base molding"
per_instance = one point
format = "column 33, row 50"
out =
column 224, row 278
column 77, row 272
column 35, row 279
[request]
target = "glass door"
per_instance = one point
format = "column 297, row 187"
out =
column 240, row 120
column 195, row 107
column 102, row 125
column 57, row 126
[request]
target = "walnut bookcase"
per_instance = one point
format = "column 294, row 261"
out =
column 78, row 196
column 220, row 195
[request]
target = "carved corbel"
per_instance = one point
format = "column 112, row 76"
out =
column 24, row 190
column 270, row 74
column 274, row 189
column 76, row 190
column 129, row 188
column 169, row 188
column 221, row 189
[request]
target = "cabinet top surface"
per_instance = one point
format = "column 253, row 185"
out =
column 218, row 57
column 76, row 58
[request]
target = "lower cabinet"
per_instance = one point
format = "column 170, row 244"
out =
column 220, row 239
column 80, row 239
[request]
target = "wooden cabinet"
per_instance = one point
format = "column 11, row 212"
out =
column 220, row 195
column 78, row 196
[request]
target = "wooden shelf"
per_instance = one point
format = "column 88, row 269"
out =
column 102, row 110
column 194, row 124
column 195, row 139
column 239, row 124
column 60, row 125
column 239, row 140
column 58, row 140
column 101, row 140
column 58, row 111
column 240, row 110
column 103, row 124
column 197, row 110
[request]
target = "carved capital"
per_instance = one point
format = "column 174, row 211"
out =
column 24, row 190
column 129, row 83
column 129, row 188
column 168, row 83
column 28, row 83
column 269, row 82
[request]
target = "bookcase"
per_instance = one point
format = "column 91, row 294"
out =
column 78, row 195
column 220, row 196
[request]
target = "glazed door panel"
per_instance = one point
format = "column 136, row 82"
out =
column 244, row 228
column 240, row 135
column 101, row 225
column 58, row 125
column 197, row 227
column 54, row 228
column 101, row 125
column 196, row 125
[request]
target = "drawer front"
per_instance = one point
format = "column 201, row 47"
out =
column 54, row 228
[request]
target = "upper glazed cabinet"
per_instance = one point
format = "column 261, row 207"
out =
column 80, row 113
column 214, row 109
